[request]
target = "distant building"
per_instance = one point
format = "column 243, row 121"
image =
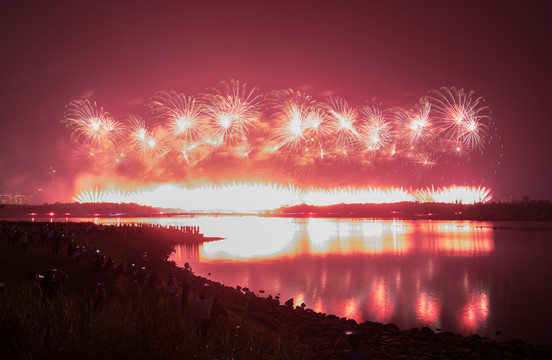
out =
column 507, row 198
column 525, row 199
column 17, row 199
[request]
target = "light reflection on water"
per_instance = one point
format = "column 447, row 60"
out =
column 406, row 272
column 465, row 277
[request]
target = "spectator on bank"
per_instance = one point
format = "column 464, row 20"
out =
column 30, row 238
column 89, row 257
column 43, row 234
column 218, row 319
column 141, row 277
column 108, row 265
column 99, row 297
column 119, row 269
column 16, row 235
column 11, row 236
column 57, row 243
column 144, row 258
column 98, row 262
column 187, row 276
column 218, row 309
column 24, row 239
column 77, row 254
column 152, row 291
column 172, row 293
column 33, row 286
column 50, row 237
column 51, row 283
column 203, row 306
column 71, row 248
column 353, row 353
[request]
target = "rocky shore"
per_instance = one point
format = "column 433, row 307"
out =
column 379, row 341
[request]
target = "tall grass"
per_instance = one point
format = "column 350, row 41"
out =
column 72, row 327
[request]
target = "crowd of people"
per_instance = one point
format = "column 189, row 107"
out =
column 160, row 294
column 18, row 234
column 172, row 291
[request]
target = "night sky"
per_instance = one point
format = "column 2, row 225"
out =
column 119, row 54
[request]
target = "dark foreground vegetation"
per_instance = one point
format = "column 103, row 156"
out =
column 127, row 317
column 71, row 326
column 120, row 311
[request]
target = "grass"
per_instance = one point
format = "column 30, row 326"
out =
column 129, row 324
column 70, row 327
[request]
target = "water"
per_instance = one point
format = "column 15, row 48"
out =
column 465, row 277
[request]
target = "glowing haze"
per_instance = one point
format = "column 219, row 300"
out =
column 233, row 148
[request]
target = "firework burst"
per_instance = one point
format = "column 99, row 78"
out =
column 90, row 123
column 294, row 127
column 183, row 115
column 284, row 134
column 461, row 117
column 343, row 121
column 375, row 131
column 231, row 112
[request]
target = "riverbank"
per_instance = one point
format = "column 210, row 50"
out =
column 258, row 316
column 516, row 211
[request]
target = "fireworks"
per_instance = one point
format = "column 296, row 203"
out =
column 232, row 131
column 286, row 124
column 231, row 112
column 297, row 123
column 462, row 119
column 343, row 122
column 258, row 197
column 90, row 122
column 183, row 115
column 376, row 131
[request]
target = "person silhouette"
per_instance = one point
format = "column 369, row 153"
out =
column 354, row 352
column 187, row 276
column 203, row 306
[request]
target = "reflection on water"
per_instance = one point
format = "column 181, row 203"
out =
column 261, row 238
column 463, row 277
column 406, row 272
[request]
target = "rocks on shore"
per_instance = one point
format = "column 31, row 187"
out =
column 380, row 341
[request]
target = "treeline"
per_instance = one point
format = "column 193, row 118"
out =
column 518, row 211
column 522, row 211
column 77, row 210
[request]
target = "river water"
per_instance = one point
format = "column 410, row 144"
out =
column 466, row 277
